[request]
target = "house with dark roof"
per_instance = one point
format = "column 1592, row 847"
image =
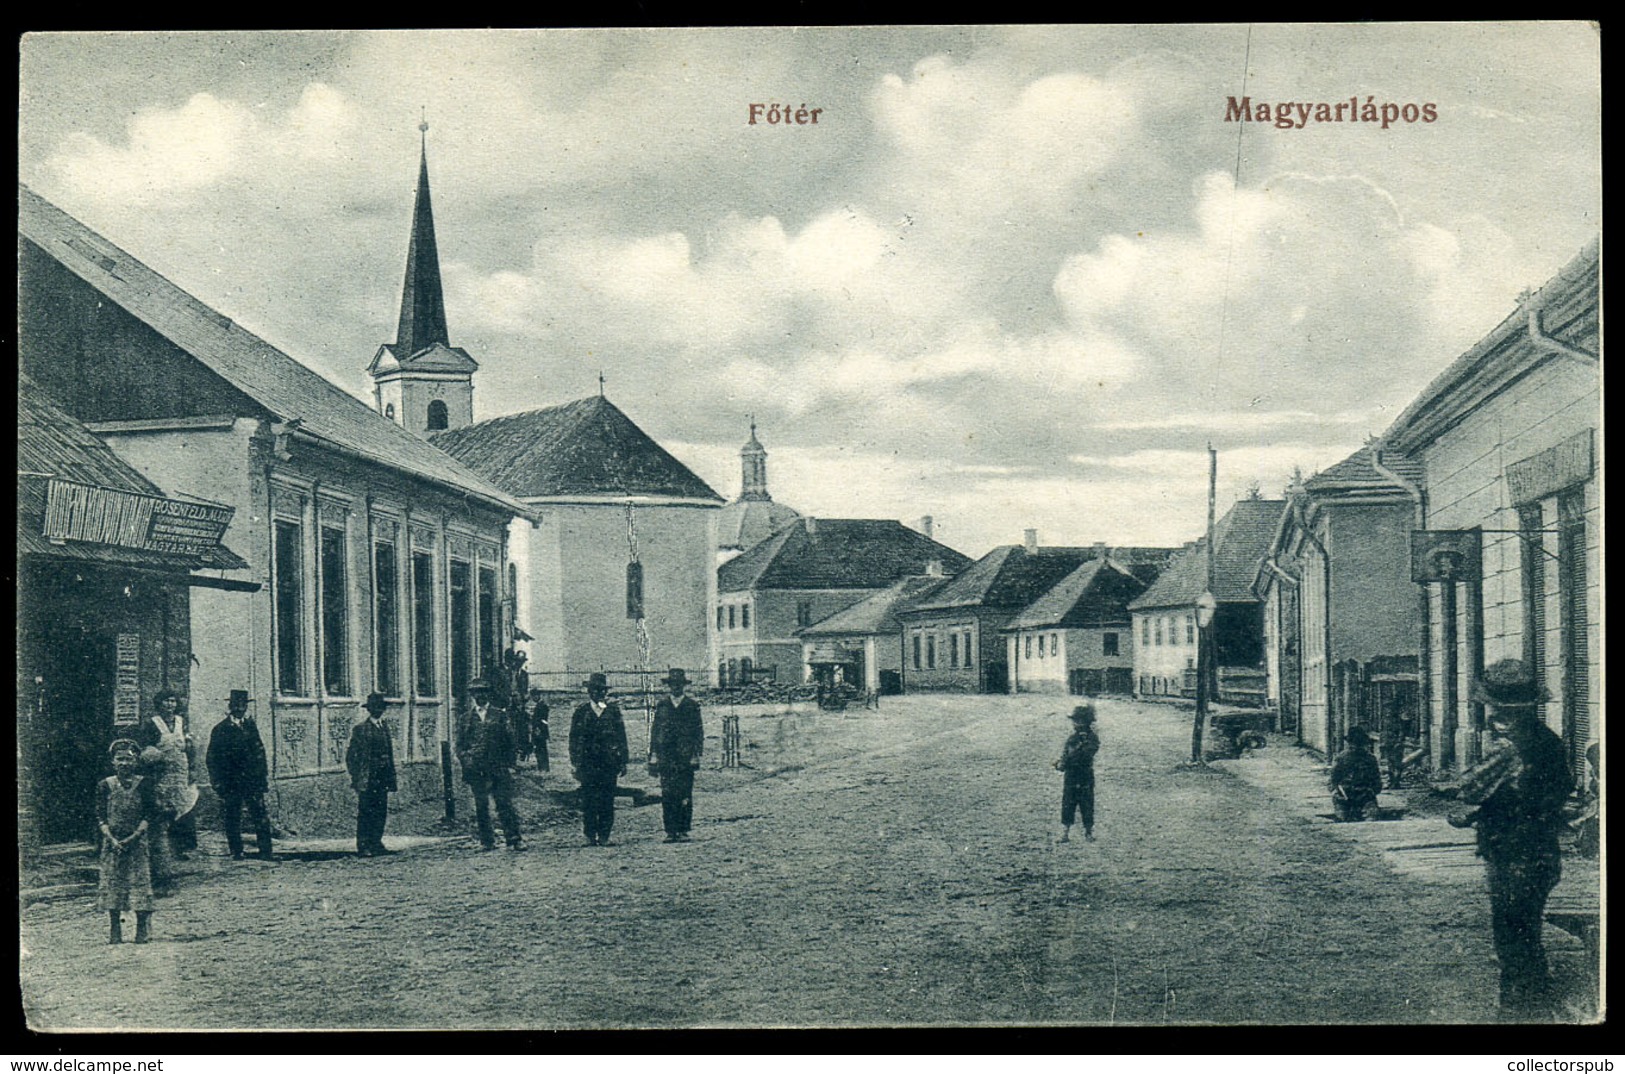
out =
column 1507, row 440
column 379, row 557
column 955, row 640
column 105, row 563
column 615, row 572
column 1339, row 606
column 802, row 575
column 1165, row 614
column 1077, row 637
column 864, row 643
column 755, row 515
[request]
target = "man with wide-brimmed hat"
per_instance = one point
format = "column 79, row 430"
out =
column 1518, row 793
column 598, row 755
column 240, row 775
column 1356, row 780
column 370, row 761
column 486, row 751
column 676, row 740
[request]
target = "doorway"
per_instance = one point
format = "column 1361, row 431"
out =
column 70, row 726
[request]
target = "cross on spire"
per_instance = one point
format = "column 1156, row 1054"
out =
column 600, row 383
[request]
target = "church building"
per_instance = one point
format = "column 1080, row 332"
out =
column 614, row 571
column 753, row 517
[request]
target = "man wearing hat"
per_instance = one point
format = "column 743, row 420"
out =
column 371, row 763
column 598, row 756
column 1356, row 780
column 1077, row 768
column 1518, row 793
column 240, row 775
column 676, row 740
column 486, row 751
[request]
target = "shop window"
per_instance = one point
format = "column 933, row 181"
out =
column 386, row 644
column 289, row 564
column 423, row 622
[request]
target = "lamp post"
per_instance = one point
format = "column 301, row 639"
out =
column 1205, row 606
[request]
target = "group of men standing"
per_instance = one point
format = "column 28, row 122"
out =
column 491, row 738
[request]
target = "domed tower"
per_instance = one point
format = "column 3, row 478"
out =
column 421, row 381
column 753, row 517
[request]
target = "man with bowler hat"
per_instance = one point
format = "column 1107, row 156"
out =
column 1517, row 794
column 676, row 740
column 598, row 755
column 371, row 763
column 240, row 775
column 486, row 751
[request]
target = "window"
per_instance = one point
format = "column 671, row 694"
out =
column 1190, row 630
column 335, row 611
column 1040, row 646
column 1054, row 644
column 1145, row 632
column 1533, row 555
column 1028, row 647
column 916, row 652
column 438, row 418
column 389, row 410
column 953, row 650
column 386, row 620
column 967, row 649
column 721, row 616
column 804, row 616
column 290, row 610
column 930, row 651
column 744, row 616
column 745, row 667
column 462, row 626
column 1108, row 645
column 1159, row 630
column 423, row 619
column 634, row 590
column 490, row 626
column 722, row 667
column 730, row 617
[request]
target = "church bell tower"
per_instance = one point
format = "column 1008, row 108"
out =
column 421, row 381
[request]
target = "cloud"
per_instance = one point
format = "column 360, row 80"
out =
column 166, row 152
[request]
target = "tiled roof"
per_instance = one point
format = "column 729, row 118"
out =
column 1010, row 577
column 1242, row 537
column 877, row 614
column 582, row 448
column 1097, row 592
column 1358, row 471
column 50, row 444
column 836, row 553
column 276, row 381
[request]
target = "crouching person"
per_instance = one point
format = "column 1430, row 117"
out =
column 1356, row 780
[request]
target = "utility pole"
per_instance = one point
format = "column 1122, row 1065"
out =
column 1205, row 608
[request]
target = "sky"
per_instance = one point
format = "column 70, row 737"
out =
column 1013, row 278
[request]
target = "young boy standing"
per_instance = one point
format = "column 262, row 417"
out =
column 1077, row 766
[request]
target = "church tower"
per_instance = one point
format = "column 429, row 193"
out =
column 753, row 469
column 421, row 381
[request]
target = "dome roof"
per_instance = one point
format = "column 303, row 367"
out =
column 747, row 523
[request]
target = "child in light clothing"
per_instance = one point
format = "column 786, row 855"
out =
column 124, row 814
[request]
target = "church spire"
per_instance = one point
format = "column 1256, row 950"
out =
column 753, row 468
column 423, row 302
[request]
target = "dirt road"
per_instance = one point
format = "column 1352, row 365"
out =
column 895, row 868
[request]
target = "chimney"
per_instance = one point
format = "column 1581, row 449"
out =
column 1030, row 540
column 926, row 526
column 812, row 526
column 933, row 568
column 1101, row 551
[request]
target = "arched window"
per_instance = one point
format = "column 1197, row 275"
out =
column 438, row 418
column 389, row 410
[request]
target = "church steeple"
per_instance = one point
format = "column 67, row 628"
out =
column 421, row 381
column 423, row 302
column 753, row 468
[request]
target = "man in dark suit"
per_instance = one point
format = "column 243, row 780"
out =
column 486, row 751
column 598, row 755
column 240, row 775
column 371, row 762
column 1518, row 792
column 676, row 740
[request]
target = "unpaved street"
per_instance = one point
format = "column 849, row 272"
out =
column 896, row 868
